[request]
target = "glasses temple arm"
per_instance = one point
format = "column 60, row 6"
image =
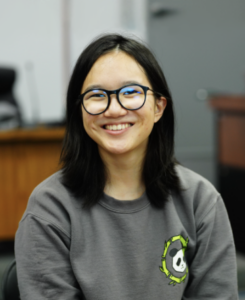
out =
column 157, row 93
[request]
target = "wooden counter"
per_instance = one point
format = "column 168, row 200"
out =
column 27, row 157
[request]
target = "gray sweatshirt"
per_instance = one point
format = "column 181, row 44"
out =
column 126, row 250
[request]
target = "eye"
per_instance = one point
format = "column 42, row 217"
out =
column 95, row 95
column 131, row 91
column 178, row 262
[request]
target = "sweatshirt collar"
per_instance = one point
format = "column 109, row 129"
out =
column 124, row 206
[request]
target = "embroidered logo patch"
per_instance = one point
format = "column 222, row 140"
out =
column 173, row 259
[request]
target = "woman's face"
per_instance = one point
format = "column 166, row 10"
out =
column 112, row 71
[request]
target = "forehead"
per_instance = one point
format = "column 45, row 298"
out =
column 111, row 70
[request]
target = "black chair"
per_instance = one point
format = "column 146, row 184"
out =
column 9, row 108
column 9, row 288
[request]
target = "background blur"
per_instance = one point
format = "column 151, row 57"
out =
column 199, row 44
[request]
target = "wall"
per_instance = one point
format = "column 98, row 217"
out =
column 35, row 42
column 200, row 44
column 30, row 42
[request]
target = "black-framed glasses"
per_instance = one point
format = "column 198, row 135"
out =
column 130, row 97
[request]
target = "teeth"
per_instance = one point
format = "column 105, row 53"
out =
column 117, row 127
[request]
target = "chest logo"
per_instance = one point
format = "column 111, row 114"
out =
column 173, row 259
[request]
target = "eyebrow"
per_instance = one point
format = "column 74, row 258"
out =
column 98, row 86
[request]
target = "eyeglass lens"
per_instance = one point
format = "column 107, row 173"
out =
column 131, row 97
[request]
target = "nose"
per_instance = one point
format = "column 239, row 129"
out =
column 115, row 109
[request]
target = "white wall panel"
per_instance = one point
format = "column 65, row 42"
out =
column 30, row 35
column 35, row 42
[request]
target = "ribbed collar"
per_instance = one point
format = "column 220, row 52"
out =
column 124, row 206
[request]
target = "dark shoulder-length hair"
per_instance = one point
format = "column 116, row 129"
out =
column 83, row 171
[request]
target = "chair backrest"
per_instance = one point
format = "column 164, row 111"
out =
column 10, row 114
column 9, row 288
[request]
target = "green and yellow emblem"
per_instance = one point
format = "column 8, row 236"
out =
column 177, row 256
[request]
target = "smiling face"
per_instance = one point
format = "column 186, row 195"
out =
column 117, row 130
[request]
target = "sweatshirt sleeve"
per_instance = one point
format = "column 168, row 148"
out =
column 43, row 264
column 213, row 272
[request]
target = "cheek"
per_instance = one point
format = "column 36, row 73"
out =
column 88, row 126
column 149, row 122
column 87, row 120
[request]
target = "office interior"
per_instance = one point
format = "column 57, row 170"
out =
column 201, row 48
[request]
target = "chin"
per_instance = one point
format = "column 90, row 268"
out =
column 116, row 149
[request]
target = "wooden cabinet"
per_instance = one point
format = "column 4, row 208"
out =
column 230, row 130
column 27, row 157
column 230, row 124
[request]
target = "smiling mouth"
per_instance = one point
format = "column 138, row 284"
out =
column 116, row 127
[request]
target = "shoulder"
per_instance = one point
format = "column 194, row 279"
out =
column 198, row 195
column 191, row 180
column 52, row 202
column 50, row 188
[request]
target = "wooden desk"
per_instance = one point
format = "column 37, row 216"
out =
column 230, row 111
column 231, row 129
column 27, row 157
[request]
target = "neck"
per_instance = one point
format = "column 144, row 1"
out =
column 124, row 171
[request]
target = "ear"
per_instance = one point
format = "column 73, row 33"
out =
column 160, row 105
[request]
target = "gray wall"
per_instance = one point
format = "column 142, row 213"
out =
column 200, row 44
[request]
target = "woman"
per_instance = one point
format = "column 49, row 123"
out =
column 123, row 220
